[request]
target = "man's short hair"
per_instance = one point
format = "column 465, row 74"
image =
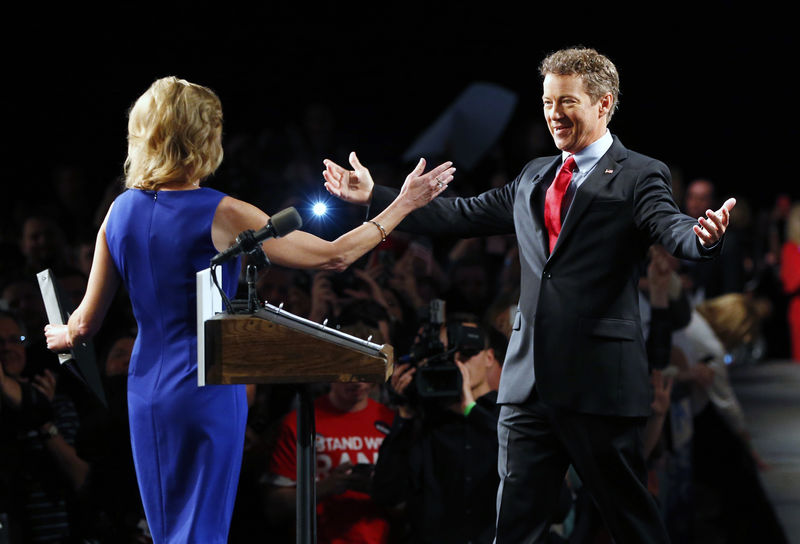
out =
column 598, row 73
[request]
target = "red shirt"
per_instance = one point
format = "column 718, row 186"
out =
column 342, row 437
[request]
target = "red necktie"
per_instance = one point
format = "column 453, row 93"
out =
column 553, row 198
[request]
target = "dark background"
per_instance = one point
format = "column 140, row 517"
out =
column 708, row 89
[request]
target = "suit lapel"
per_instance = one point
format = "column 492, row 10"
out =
column 606, row 170
column 538, row 186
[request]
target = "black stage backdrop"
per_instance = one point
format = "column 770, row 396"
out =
column 708, row 90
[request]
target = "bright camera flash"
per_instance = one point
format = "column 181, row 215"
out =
column 319, row 209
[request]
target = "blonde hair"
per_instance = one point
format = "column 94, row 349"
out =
column 734, row 318
column 793, row 224
column 174, row 135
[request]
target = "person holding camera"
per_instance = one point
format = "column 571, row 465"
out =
column 438, row 462
column 40, row 470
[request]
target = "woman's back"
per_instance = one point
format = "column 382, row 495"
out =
column 159, row 241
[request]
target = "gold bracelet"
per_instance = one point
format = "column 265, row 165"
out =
column 383, row 231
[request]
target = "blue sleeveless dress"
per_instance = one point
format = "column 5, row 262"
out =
column 187, row 441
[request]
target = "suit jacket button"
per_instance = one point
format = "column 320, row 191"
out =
column 548, row 275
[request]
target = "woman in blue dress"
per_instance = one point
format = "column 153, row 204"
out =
column 187, row 441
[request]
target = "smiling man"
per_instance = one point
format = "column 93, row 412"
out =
column 574, row 387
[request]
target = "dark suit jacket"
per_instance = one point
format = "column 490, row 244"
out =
column 577, row 334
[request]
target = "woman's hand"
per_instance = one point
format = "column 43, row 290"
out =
column 57, row 338
column 419, row 188
column 354, row 186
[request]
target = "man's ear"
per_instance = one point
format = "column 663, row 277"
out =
column 606, row 103
column 491, row 360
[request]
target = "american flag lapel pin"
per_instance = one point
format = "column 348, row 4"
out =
column 609, row 171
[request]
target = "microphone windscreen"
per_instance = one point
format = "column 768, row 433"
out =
column 285, row 221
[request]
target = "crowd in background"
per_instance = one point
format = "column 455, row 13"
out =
column 66, row 473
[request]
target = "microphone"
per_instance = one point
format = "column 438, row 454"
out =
column 280, row 224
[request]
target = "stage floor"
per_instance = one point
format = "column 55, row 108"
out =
column 770, row 395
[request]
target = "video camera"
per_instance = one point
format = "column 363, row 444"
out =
column 439, row 378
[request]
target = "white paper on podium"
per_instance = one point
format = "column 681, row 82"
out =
column 209, row 303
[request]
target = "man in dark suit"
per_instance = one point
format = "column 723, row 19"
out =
column 574, row 388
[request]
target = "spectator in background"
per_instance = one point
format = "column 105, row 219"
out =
column 38, row 460
column 470, row 285
column 42, row 245
column 790, row 276
column 770, row 240
column 73, row 205
column 110, row 504
column 83, row 253
column 350, row 428
column 498, row 342
column 279, row 285
column 724, row 465
column 699, row 197
column 21, row 296
column 438, row 462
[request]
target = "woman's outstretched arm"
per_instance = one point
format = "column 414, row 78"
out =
column 303, row 250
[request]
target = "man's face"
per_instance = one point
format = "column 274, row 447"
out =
column 12, row 351
column 349, row 393
column 119, row 356
column 38, row 241
column 699, row 198
column 574, row 120
column 24, row 299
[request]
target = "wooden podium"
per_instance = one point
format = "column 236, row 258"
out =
column 274, row 346
column 271, row 345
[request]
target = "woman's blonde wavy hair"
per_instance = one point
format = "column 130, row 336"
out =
column 174, row 135
column 735, row 318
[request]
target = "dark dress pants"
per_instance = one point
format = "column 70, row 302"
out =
column 538, row 443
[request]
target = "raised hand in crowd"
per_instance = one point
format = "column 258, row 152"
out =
column 401, row 379
column 404, row 280
column 659, row 275
column 45, row 383
column 324, row 301
column 662, row 388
